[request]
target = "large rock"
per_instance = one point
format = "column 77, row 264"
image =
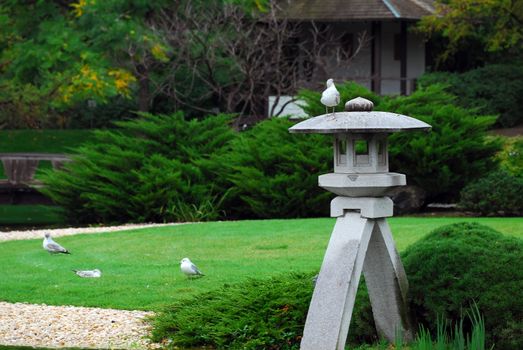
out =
column 407, row 199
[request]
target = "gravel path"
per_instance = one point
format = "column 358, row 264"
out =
column 71, row 326
column 31, row 234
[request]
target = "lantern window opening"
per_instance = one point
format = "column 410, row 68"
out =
column 361, row 152
column 361, row 147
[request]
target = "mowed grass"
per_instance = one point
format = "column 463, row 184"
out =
column 141, row 267
column 26, row 215
column 41, row 141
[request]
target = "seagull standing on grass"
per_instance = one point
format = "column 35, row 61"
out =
column 53, row 247
column 330, row 97
column 189, row 269
column 88, row 273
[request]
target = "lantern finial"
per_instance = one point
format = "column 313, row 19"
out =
column 359, row 104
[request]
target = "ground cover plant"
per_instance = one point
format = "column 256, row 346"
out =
column 141, row 267
column 454, row 268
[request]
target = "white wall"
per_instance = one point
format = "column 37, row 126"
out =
column 292, row 109
column 390, row 68
column 359, row 69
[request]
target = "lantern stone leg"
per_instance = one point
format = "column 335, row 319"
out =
column 360, row 242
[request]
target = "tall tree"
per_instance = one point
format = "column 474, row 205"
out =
column 55, row 54
column 497, row 25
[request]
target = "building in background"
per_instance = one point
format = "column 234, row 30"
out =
column 389, row 59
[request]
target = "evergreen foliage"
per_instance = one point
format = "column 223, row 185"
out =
column 348, row 90
column 458, row 265
column 442, row 161
column 494, row 89
column 454, row 153
column 497, row 194
column 156, row 168
column 274, row 174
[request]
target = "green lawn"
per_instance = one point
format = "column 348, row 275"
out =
column 141, row 267
column 28, row 215
column 41, row 141
column 47, row 141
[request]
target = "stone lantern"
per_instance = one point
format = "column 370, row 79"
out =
column 361, row 240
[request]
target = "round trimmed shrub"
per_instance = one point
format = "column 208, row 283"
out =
column 458, row 265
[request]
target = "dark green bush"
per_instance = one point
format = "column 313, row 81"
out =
column 155, row 168
column 443, row 161
column 454, row 153
column 458, row 265
column 275, row 174
column 493, row 89
column 257, row 314
column 449, row 271
column 497, row 194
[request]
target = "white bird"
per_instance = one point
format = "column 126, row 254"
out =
column 88, row 273
column 330, row 97
column 189, row 269
column 53, row 247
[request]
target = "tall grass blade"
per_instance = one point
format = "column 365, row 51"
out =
column 477, row 338
column 423, row 340
column 441, row 334
column 458, row 341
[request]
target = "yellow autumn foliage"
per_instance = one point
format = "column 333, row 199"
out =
column 79, row 7
column 97, row 84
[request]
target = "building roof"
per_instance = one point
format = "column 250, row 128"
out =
column 355, row 10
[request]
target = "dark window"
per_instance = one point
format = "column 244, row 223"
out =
column 347, row 45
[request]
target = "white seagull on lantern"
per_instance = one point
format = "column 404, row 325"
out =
column 330, row 97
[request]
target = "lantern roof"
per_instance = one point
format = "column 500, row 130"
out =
column 359, row 119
